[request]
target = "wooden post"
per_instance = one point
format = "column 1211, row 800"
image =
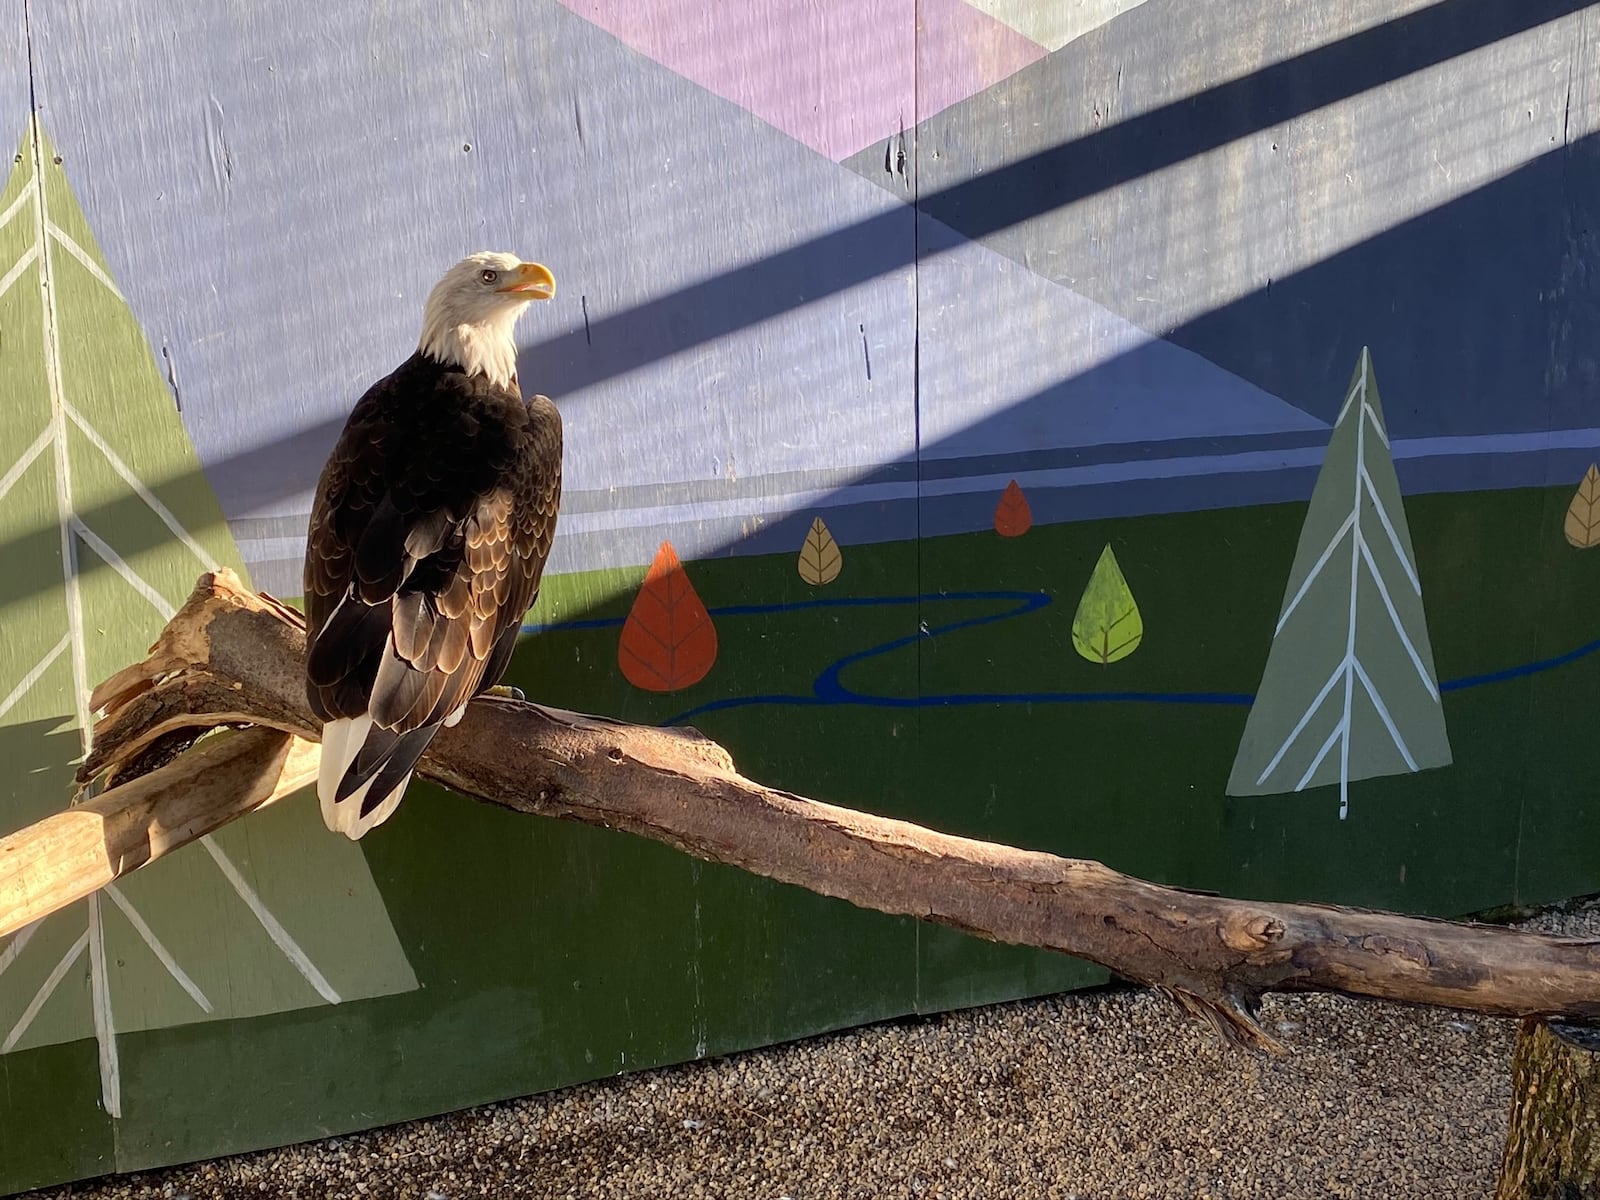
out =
column 1553, row 1147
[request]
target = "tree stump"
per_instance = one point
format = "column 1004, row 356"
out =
column 1553, row 1147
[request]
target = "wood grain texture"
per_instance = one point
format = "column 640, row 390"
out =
column 1552, row 1149
column 741, row 346
column 231, row 652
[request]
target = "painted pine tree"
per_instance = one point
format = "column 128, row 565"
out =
column 107, row 519
column 1349, row 690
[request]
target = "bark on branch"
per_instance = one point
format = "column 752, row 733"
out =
column 231, row 657
column 1552, row 1149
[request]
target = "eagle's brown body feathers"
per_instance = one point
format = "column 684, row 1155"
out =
column 432, row 523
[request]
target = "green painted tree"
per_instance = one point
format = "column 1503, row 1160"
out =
column 1349, row 690
column 107, row 519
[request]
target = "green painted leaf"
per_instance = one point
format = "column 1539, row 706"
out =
column 1107, row 626
column 107, row 520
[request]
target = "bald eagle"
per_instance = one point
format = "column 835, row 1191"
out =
column 428, row 537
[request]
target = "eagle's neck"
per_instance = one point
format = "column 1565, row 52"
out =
column 483, row 349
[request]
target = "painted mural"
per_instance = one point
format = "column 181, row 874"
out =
column 97, row 421
column 972, row 415
column 1354, row 599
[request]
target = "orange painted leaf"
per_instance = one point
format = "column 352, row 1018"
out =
column 1582, row 525
column 1012, row 516
column 668, row 641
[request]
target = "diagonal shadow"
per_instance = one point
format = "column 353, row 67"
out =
column 856, row 254
column 1040, row 183
column 1312, row 323
column 1458, row 311
column 38, row 754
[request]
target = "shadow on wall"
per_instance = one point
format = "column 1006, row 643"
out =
column 34, row 749
column 1446, row 276
column 1467, row 275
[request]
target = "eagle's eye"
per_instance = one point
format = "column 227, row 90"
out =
column 489, row 276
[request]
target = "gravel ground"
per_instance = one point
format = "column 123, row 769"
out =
column 1107, row 1095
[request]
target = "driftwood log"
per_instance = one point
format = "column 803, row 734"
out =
column 1553, row 1148
column 231, row 657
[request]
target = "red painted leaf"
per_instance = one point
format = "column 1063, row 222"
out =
column 668, row 641
column 1012, row 516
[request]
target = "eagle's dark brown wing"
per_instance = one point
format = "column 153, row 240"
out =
column 532, row 531
column 431, row 528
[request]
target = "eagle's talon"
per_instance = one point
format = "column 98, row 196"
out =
column 505, row 691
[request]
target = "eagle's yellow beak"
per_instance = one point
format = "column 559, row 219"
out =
column 532, row 280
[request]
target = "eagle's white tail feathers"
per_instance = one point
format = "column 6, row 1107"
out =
column 341, row 742
column 454, row 718
column 347, row 813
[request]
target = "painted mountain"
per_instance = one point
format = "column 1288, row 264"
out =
column 1131, row 299
column 1315, row 202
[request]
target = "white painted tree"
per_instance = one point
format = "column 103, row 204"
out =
column 1349, row 691
column 106, row 519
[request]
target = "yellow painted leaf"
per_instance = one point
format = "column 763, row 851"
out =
column 1582, row 525
column 1107, row 625
column 820, row 559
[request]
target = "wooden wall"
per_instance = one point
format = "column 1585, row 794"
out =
column 1140, row 430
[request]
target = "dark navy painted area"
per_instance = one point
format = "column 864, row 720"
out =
column 1482, row 316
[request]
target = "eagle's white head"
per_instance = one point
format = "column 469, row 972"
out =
column 469, row 315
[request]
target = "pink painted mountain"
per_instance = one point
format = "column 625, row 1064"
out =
column 837, row 75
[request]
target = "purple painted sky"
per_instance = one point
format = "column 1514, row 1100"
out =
column 836, row 75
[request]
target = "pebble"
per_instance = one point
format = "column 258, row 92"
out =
column 1100, row 1095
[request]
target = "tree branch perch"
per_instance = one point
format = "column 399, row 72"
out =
column 231, row 657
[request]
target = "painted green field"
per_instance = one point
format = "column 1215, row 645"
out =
column 549, row 953
column 1141, row 783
